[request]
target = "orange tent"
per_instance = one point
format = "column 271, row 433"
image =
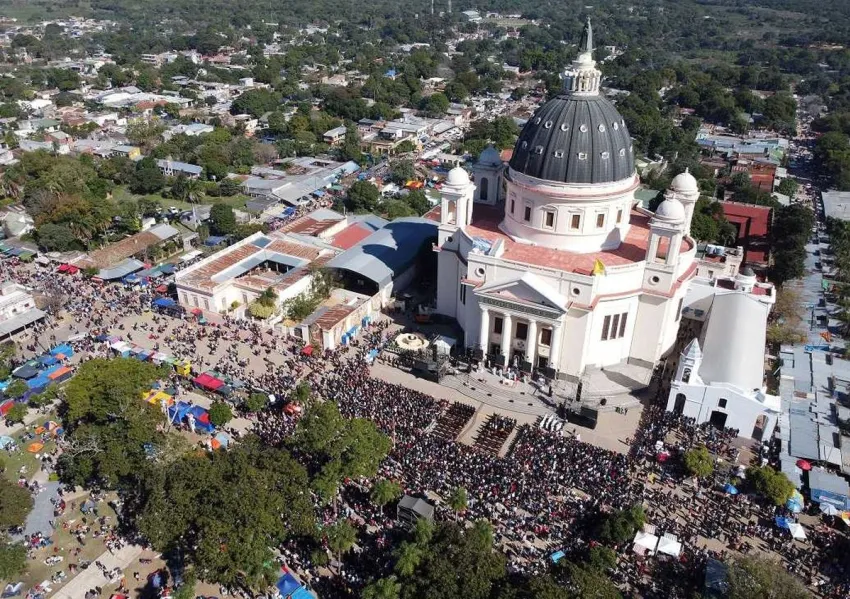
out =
column 35, row 447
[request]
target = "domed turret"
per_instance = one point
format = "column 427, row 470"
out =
column 490, row 157
column 670, row 211
column 458, row 177
column 684, row 183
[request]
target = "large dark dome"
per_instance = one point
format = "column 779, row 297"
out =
column 575, row 139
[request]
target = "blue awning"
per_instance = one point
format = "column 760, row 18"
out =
column 318, row 193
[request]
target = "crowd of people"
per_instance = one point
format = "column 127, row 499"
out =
column 542, row 496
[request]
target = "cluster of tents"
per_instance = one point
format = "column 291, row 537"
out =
column 196, row 417
column 646, row 542
column 23, row 254
column 38, row 374
column 130, row 350
column 216, row 382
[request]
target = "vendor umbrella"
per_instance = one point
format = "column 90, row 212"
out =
column 795, row 503
column 782, row 522
column 804, row 465
column 730, row 489
column 828, row 509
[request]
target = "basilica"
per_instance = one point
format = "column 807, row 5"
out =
column 547, row 263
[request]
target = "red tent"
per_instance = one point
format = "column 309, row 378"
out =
column 308, row 350
column 197, row 311
column 804, row 465
column 72, row 270
column 207, row 381
column 162, row 289
column 63, row 268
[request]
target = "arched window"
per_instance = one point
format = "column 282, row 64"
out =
column 686, row 375
column 679, row 406
column 484, row 192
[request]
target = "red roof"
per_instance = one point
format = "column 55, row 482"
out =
column 208, row 381
column 350, row 236
column 753, row 224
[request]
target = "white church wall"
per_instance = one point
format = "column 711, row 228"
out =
column 448, row 280
column 615, row 348
column 573, row 336
column 742, row 412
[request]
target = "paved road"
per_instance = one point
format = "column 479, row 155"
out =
column 93, row 577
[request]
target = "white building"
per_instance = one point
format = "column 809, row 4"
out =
column 720, row 374
column 17, row 308
column 231, row 279
column 554, row 268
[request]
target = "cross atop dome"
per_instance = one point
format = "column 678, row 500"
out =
column 586, row 44
column 583, row 78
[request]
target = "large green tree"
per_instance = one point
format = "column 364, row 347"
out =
column 760, row 578
column 223, row 511
column 15, row 504
column 107, row 424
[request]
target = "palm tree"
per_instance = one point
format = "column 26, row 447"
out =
column 385, row 491
column 458, row 501
column 195, row 190
column 383, row 588
column 409, row 557
column 341, row 538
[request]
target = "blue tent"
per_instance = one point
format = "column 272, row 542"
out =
column 730, row 489
column 302, row 593
column 164, row 302
column 557, row 556
column 214, row 240
column 287, row 585
column 166, row 269
column 202, row 419
column 782, row 522
column 48, row 360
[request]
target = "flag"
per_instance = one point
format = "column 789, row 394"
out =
column 598, row 267
column 827, row 336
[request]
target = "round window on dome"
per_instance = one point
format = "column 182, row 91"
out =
column 604, row 155
column 601, row 128
column 524, row 145
column 548, row 124
column 615, row 125
column 622, row 151
column 583, row 128
column 576, row 291
column 538, row 120
column 655, row 279
column 565, row 127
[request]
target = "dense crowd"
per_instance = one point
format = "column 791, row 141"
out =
column 543, row 496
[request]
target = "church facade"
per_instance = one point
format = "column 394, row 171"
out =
column 548, row 263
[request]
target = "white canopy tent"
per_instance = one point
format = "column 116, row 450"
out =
column 645, row 543
column 444, row 344
column 669, row 545
column 797, row 531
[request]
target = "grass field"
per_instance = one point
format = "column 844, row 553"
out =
column 122, row 193
column 13, row 462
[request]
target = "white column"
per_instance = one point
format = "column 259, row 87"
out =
column 484, row 333
column 652, row 252
column 673, row 249
column 555, row 349
column 507, row 335
column 531, row 342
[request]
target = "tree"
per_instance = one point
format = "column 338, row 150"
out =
column 589, row 582
column 397, row 209
column 620, row 526
column 454, row 562
column 363, row 197
column 16, row 389
column 224, row 510
column 752, row 577
column 699, row 462
column 458, row 501
column 402, row 171
column 255, row 102
column 147, row 177
column 106, row 426
column 15, row 504
column 17, row 412
column 338, row 448
column 222, row 219
column 256, row 402
column 57, row 238
column 383, row 588
column 774, row 485
column 385, row 491
column 341, row 537
column 220, row 413
column 788, row 186
column 146, row 134
column 13, row 558
column 187, row 589
column 418, row 201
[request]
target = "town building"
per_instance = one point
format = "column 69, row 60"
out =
column 752, row 224
column 17, row 309
column 554, row 268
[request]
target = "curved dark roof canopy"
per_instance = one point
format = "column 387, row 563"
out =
column 575, row 139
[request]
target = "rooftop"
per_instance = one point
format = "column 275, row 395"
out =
column 485, row 228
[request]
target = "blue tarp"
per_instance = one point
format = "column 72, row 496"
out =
column 782, row 522
column 557, row 556
column 288, row 212
column 730, row 489
column 166, row 269
column 287, row 585
column 164, row 302
column 48, row 360
column 38, row 383
column 302, row 593
column 64, row 349
column 214, row 240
